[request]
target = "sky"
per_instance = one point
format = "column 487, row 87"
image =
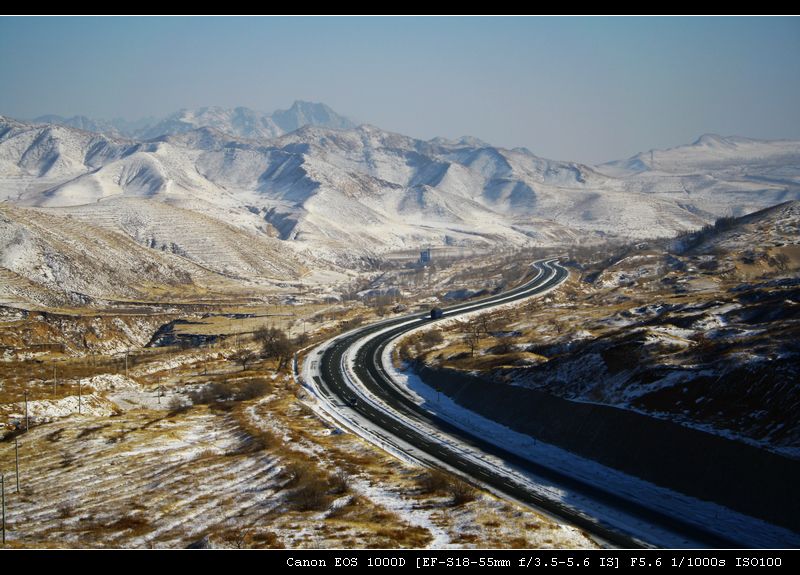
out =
column 582, row 89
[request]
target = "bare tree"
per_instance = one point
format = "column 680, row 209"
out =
column 472, row 339
column 243, row 357
column 555, row 325
column 486, row 323
column 301, row 339
column 274, row 345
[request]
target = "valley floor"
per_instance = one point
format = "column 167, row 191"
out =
column 263, row 472
column 183, row 445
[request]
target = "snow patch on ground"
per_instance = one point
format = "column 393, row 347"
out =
column 110, row 382
column 46, row 410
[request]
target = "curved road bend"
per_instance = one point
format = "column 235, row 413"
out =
column 334, row 388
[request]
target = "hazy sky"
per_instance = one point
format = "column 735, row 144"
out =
column 591, row 89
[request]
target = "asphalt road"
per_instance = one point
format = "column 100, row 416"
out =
column 333, row 383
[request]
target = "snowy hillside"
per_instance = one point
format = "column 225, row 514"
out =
column 312, row 185
column 130, row 249
column 776, row 228
column 250, row 207
column 712, row 153
column 715, row 175
column 61, row 254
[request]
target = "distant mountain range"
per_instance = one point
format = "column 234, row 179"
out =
column 306, row 187
column 240, row 122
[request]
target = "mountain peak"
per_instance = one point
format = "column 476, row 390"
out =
column 303, row 113
column 462, row 141
column 712, row 141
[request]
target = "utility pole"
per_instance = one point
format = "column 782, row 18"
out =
column 3, row 504
column 16, row 458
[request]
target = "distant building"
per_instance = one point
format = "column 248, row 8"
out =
column 425, row 256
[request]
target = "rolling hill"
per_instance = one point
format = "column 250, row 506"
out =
column 253, row 196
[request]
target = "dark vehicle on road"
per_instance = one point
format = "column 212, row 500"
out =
column 436, row 313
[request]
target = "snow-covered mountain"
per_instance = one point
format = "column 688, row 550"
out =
column 310, row 114
column 116, row 128
column 238, row 122
column 716, row 175
column 342, row 194
column 82, row 123
column 712, row 153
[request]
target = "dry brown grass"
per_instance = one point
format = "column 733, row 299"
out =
column 461, row 492
column 260, row 439
column 345, row 462
column 267, row 540
column 311, row 494
column 433, row 481
column 137, row 524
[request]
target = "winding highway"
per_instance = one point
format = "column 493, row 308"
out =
column 348, row 377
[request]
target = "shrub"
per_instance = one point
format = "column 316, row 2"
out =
column 432, row 337
column 67, row 458
column 254, row 443
column 65, row 511
column 709, row 265
column 404, row 351
column 176, row 405
column 211, row 393
column 312, row 495
column 135, row 523
column 311, row 491
column 352, row 323
column 461, row 492
column 297, row 473
column 267, row 539
column 339, row 482
column 432, row 481
column 252, row 389
column 505, row 347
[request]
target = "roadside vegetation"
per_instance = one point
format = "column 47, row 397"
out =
column 702, row 329
column 209, row 442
